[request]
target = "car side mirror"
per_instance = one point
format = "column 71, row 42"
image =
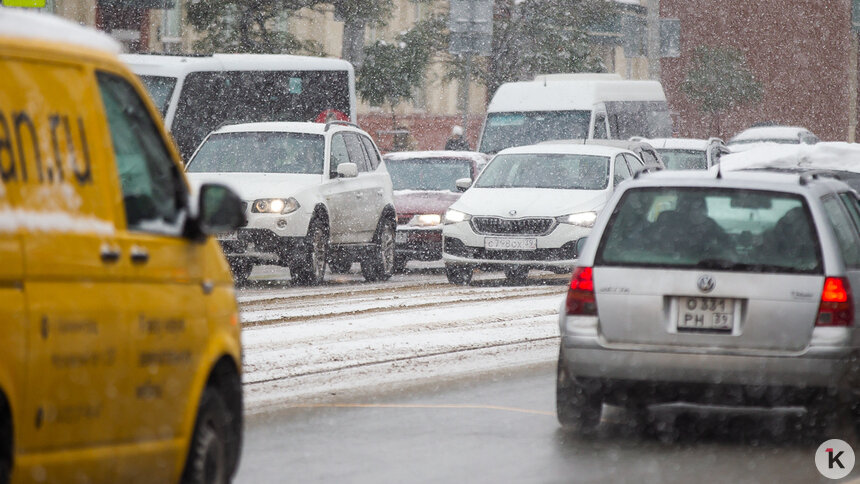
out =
column 347, row 170
column 220, row 210
column 463, row 184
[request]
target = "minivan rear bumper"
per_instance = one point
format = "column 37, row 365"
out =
column 815, row 367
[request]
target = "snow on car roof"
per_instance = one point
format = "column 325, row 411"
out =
column 677, row 143
column 17, row 23
column 177, row 66
column 565, row 148
column 824, row 155
column 276, row 126
column 411, row 155
column 769, row 132
column 785, row 181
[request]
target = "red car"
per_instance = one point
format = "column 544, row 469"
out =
column 423, row 190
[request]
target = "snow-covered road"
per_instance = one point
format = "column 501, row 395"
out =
column 315, row 344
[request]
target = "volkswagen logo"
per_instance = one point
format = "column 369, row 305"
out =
column 706, row 283
column 512, row 213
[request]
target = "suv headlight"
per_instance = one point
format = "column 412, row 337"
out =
column 583, row 219
column 455, row 216
column 426, row 220
column 275, row 205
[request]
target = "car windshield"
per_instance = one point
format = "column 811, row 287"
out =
column 504, row 130
column 684, row 159
column 546, row 170
column 160, row 89
column 260, row 152
column 722, row 229
column 427, row 173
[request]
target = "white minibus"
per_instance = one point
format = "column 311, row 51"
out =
column 574, row 106
column 197, row 94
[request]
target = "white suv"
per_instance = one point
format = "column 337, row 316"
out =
column 313, row 193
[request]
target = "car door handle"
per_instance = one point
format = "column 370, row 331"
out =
column 109, row 255
column 359, row 195
column 380, row 192
column 139, row 255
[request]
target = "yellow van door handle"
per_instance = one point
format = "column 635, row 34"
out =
column 109, row 254
column 139, row 255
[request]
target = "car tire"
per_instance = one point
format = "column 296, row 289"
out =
column 400, row 264
column 310, row 269
column 458, row 274
column 340, row 265
column 578, row 408
column 5, row 450
column 517, row 274
column 241, row 271
column 379, row 265
column 207, row 461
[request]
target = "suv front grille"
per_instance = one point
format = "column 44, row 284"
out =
column 521, row 226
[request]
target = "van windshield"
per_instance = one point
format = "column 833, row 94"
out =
column 504, row 130
column 260, row 153
column 211, row 99
column 160, row 89
column 546, row 170
column 717, row 229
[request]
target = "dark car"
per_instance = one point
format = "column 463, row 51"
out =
column 424, row 187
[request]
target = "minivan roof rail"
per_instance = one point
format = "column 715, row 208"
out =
column 645, row 169
column 811, row 175
column 328, row 124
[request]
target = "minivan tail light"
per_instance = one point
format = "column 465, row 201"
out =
column 580, row 295
column 837, row 305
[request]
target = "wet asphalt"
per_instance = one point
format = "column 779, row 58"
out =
column 503, row 429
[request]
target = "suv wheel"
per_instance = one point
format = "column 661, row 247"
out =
column 241, row 271
column 379, row 266
column 310, row 269
column 578, row 408
column 400, row 264
column 207, row 456
column 457, row 274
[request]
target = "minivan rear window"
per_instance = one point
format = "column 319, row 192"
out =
column 718, row 229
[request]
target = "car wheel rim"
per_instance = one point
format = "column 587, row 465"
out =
column 387, row 248
column 318, row 253
column 210, row 466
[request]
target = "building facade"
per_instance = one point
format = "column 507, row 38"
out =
column 803, row 52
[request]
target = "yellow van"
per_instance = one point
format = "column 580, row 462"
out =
column 120, row 349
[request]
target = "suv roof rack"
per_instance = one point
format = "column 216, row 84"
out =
column 811, row 175
column 646, row 169
column 328, row 124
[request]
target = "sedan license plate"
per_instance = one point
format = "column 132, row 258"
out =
column 228, row 236
column 706, row 314
column 510, row 243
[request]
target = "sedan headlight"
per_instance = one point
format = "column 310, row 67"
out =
column 583, row 219
column 275, row 205
column 455, row 216
column 426, row 220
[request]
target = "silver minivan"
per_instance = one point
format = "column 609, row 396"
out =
column 730, row 289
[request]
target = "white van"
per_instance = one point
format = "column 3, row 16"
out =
column 198, row 94
column 574, row 106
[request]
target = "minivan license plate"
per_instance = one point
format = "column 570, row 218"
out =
column 510, row 243
column 705, row 314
